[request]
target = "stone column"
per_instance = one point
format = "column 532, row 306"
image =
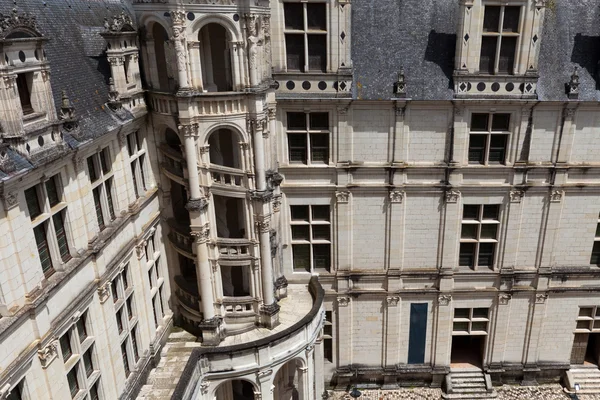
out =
column 190, row 132
column 566, row 142
column 396, row 200
column 117, row 72
column 235, row 49
column 178, row 18
column 500, row 336
column 151, row 66
column 451, row 229
column 134, row 69
column 400, row 148
column 530, row 369
column 195, row 65
column 309, row 378
column 441, row 357
column 392, row 336
column 252, row 38
column 344, row 228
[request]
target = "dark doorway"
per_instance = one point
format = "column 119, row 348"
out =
column 417, row 334
column 467, row 351
column 592, row 349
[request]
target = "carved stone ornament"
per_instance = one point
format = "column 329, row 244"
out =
column 119, row 23
column 444, row 299
column 342, row 197
column 399, row 111
column 400, row 85
column 178, row 17
column 262, row 374
column 504, row 298
column 9, row 81
column 17, row 20
column 396, row 196
column 189, row 130
column 7, row 164
column 516, row 196
column 104, row 292
column 5, row 392
column 201, row 234
column 570, row 112
column 204, row 387
column 343, row 301
column 277, row 203
column 263, row 223
column 452, row 196
column 197, row 205
column 556, row 196
column 540, row 3
column 540, row 298
column 48, row 353
column 573, row 85
column 139, row 249
column 11, row 200
column 393, row 301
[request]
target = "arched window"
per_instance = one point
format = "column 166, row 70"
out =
column 289, row 381
column 215, row 58
column 224, row 149
column 236, row 389
column 161, row 40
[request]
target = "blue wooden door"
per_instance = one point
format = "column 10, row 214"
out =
column 418, row 331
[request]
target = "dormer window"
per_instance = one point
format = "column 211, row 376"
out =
column 24, row 83
column 306, row 36
column 499, row 39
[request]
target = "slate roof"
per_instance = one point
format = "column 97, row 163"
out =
column 76, row 55
column 420, row 35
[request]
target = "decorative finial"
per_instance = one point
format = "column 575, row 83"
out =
column 400, row 85
column 573, row 85
column 113, row 95
column 119, row 23
column 67, row 111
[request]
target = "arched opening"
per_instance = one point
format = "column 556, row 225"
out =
column 215, row 58
column 236, row 389
column 179, row 198
column 172, row 153
column 172, row 140
column 161, row 44
column 229, row 214
column 236, row 280
column 289, row 381
column 224, row 149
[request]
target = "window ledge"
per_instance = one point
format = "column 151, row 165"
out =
column 467, row 85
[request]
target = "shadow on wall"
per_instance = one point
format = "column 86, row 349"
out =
column 586, row 53
column 440, row 50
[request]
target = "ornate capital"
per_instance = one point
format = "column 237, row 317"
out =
column 309, row 348
column 516, row 195
column 343, row 301
column 452, row 196
column 392, row 301
column 396, row 196
column 204, row 387
column 9, row 81
column 399, row 111
column 201, row 234
column 251, row 24
column 118, row 22
column 11, row 200
column 178, row 17
column 540, row 298
column 444, row 299
column 189, row 130
column 139, row 249
column 104, row 292
column 116, row 61
column 504, row 298
column 263, row 223
column 197, row 205
column 272, row 113
column 556, row 196
column 342, row 197
column 569, row 113
column 48, row 353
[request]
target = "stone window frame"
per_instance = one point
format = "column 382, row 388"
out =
column 469, row 318
column 499, row 35
column 308, row 133
column 19, row 391
column 126, row 318
column 490, row 132
column 595, row 257
column 80, row 348
column 470, row 35
column 591, row 318
column 136, row 151
column 45, row 220
column 306, row 32
column 100, row 167
column 156, row 280
column 311, row 241
column 479, row 222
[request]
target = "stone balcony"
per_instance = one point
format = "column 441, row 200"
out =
column 204, row 104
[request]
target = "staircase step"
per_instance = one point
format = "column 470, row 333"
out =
column 469, row 385
column 457, row 396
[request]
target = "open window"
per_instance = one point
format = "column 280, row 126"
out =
column 215, row 57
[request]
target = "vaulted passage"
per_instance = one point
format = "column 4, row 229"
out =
column 289, row 381
column 215, row 57
column 160, row 39
column 224, row 149
column 235, row 390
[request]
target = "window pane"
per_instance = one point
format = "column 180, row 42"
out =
column 24, row 93
column 315, row 13
column 299, row 213
column 328, row 349
column 301, row 255
column 321, row 232
column 498, row 149
column 43, row 249
column 598, row 230
column 92, row 169
column 135, row 185
column 471, row 212
column 511, row 19
column 320, row 213
column 94, row 392
column 462, row 313
column 138, row 140
column 477, row 149
column 479, row 122
column 129, row 308
column 480, row 326
column 87, row 362
column 491, row 19
column 131, row 143
column 319, row 121
column 500, row 122
column 297, row 147
column 319, row 148
column 467, row 255
column 317, row 52
column 73, row 382
column 480, row 313
column 460, row 327
column 98, row 206
column 61, row 237
column 125, row 359
column 109, row 197
column 489, row 231
column 507, row 55
column 113, row 290
column 300, row 232
column 469, row 231
column 141, row 167
column 491, row 211
column 134, row 345
column 487, row 57
column 294, row 47
column 65, row 346
column 321, row 255
column 586, row 312
column 119, row 316
column 33, row 204
column 105, row 160
column 81, row 329
column 125, row 277
column 294, row 15
column 595, row 254
column 296, row 121
column 486, row 254
column 52, row 191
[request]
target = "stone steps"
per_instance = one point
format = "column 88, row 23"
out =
column 587, row 378
column 468, row 385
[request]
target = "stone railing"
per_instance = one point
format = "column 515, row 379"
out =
column 227, row 176
column 180, row 236
column 163, row 104
column 173, row 168
column 187, row 295
column 234, row 249
column 238, row 305
column 219, row 104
